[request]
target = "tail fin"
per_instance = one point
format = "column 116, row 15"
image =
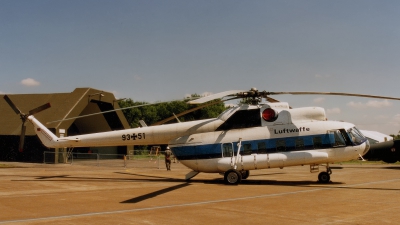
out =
column 45, row 135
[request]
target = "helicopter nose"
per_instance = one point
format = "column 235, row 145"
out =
column 367, row 147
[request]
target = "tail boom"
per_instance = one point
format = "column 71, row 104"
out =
column 49, row 139
column 161, row 134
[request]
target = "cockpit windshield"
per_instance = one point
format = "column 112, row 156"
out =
column 356, row 136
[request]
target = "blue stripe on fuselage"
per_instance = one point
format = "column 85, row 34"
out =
column 209, row 151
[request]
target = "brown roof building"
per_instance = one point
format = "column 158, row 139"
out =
column 81, row 101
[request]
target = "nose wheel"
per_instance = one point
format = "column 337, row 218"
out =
column 325, row 177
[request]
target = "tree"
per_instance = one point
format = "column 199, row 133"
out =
column 396, row 137
column 153, row 113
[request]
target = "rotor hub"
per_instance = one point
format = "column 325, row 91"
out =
column 253, row 97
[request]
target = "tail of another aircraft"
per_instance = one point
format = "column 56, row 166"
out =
column 45, row 135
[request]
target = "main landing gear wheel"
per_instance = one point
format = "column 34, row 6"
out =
column 324, row 177
column 245, row 174
column 232, row 177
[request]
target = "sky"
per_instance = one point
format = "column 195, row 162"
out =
column 165, row 50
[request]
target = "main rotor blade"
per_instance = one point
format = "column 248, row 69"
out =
column 215, row 96
column 331, row 93
column 40, row 108
column 114, row 110
column 184, row 113
column 22, row 138
column 272, row 100
column 15, row 108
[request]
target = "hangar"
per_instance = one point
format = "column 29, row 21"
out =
column 81, row 101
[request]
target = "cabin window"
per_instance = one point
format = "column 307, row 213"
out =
column 280, row 146
column 247, row 149
column 242, row 119
column 317, row 142
column 299, row 144
column 227, row 150
column 261, row 147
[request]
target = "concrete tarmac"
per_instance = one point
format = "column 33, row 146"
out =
column 75, row 194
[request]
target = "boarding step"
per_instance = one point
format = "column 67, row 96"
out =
column 314, row 168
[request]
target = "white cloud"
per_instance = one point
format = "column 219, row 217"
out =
column 355, row 104
column 319, row 100
column 30, row 82
column 334, row 111
column 370, row 104
column 379, row 104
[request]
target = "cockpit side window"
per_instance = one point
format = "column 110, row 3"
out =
column 338, row 139
column 356, row 136
column 242, row 119
column 346, row 137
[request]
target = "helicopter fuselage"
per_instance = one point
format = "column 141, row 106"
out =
column 242, row 138
column 265, row 147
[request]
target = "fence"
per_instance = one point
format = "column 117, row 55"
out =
column 136, row 160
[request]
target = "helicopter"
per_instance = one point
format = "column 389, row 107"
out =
column 246, row 137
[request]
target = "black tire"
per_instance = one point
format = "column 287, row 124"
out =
column 245, row 174
column 232, row 177
column 324, row 177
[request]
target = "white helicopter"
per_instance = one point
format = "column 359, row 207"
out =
column 242, row 138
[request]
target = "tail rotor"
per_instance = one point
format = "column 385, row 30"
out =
column 24, row 117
